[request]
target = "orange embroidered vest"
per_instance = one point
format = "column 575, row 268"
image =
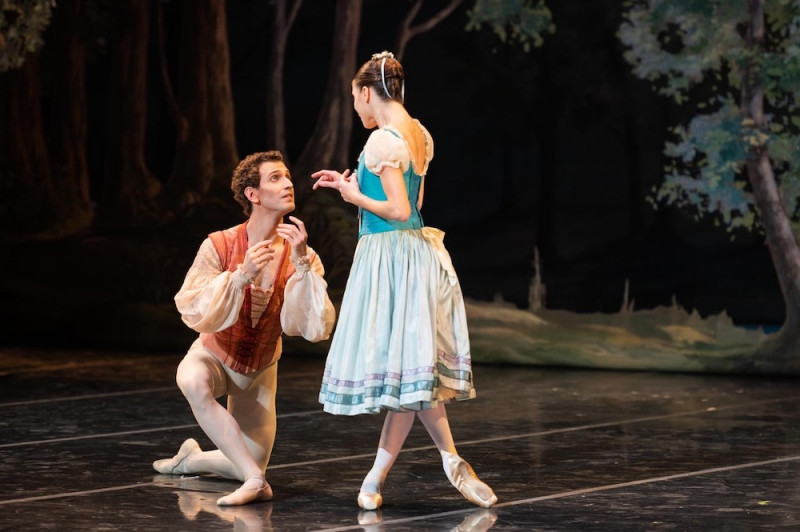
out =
column 245, row 347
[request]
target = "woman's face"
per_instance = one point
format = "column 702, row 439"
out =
column 361, row 101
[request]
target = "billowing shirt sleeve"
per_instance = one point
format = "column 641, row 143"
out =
column 383, row 149
column 210, row 298
column 307, row 310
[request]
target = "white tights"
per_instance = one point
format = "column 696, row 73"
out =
column 244, row 433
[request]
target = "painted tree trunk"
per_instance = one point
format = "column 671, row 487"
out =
column 69, row 120
column 220, row 96
column 130, row 187
column 26, row 189
column 193, row 166
column 276, row 117
column 780, row 239
column 205, row 146
column 329, row 144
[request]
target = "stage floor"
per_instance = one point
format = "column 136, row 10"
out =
column 563, row 449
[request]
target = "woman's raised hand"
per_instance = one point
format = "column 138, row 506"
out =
column 330, row 178
column 343, row 182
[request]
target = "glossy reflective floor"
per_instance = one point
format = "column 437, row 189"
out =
column 563, row 449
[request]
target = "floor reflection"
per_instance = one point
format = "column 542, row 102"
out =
column 562, row 449
column 477, row 521
column 193, row 500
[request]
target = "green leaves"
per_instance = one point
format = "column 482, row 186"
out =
column 514, row 21
column 676, row 43
column 22, row 23
column 692, row 48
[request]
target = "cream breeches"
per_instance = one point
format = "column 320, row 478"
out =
column 244, row 433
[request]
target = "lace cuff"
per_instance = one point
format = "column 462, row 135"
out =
column 240, row 277
column 302, row 264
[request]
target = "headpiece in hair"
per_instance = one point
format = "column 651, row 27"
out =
column 383, row 56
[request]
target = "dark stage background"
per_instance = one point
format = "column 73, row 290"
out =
column 556, row 149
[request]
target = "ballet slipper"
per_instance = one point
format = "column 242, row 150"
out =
column 461, row 475
column 253, row 490
column 176, row 465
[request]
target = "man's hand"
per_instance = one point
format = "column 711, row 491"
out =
column 295, row 234
column 256, row 257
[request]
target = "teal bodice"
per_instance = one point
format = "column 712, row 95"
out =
column 370, row 185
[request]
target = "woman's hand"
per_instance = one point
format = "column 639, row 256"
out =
column 295, row 234
column 256, row 257
column 329, row 178
column 343, row 182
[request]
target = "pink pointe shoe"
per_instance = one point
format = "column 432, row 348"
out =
column 462, row 476
column 369, row 500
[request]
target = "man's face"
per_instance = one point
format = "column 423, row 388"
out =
column 275, row 192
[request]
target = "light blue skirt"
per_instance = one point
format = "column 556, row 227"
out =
column 401, row 342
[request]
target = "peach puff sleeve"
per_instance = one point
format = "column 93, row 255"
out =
column 385, row 149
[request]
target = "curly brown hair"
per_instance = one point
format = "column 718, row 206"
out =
column 246, row 175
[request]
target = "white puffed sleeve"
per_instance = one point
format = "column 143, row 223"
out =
column 383, row 149
column 210, row 298
column 307, row 310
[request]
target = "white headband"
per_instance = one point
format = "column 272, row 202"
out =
column 383, row 56
column 383, row 78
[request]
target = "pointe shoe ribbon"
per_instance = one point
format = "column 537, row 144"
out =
column 175, row 465
column 463, row 478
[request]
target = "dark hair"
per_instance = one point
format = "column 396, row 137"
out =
column 246, row 175
column 369, row 75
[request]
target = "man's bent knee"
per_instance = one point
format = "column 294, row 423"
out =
column 195, row 385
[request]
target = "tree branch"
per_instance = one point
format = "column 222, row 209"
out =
column 407, row 31
column 293, row 14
